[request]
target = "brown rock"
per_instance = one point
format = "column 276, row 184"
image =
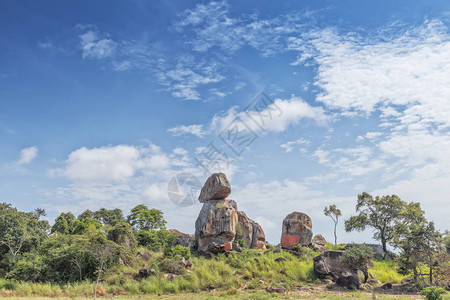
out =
column 387, row 286
column 183, row 239
column 276, row 289
column 250, row 231
column 216, row 223
column 329, row 264
column 280, row 259
column 170, row 276
column 319, row 240
column 373, row 281
column 216, row 187
column 297, row 230
column 144, row 273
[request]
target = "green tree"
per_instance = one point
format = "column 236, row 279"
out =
column 109, row 217
column 334, row 213
column 64, row 223
column 122, row 234
column 358, row 258
column 19, row 231
column 382, row 214
column 143, row 218
column 419, row 244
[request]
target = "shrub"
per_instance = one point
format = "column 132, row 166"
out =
column 177, row 251
column 432, row 293
column 357, row 258
column 171, row 266
column 241, row 243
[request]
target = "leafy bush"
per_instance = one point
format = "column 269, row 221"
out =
column 241, row 243
column 177, row 251
column 155, row 240
column 433, row 293
column 171, row 266
column 358, row 258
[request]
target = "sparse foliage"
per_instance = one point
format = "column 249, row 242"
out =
column 334, row 213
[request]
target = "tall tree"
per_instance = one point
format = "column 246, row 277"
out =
column 334, row 213
column 382, row 214
column 20, row 231
column 64, row 223
column 419, row 244
column 143, row 218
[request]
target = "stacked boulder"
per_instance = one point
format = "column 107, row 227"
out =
column 297, row 230
column 219, row 223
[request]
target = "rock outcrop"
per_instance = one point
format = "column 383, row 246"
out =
column 216, row 223
column 250, row 232
column 328, row 264
column 219, row 223
column 183, row 239
column 319, row 243
column 216, row 187
column 296, row 230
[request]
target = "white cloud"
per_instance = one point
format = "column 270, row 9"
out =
column 411, row 69
column 196, row 130
column 213, row 27
column 289, row 146
column 112, row 163
column 27, row 155
column 273, row 117
column 93, row 45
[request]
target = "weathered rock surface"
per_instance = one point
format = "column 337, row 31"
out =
column 250, row 231
column 349, row 281
column 373, row 282
column 144, row 273
column 220, row 224
column 183, row 239
column 328, row 264
column 216, row 223
column 276, row 289
column 216, row 187
column 296, row 230
column 319, row 243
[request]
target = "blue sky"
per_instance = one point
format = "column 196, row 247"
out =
column 102, row 103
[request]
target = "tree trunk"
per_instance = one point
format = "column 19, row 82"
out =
column 383, row 243
column 98, row 278
column 366, row 275
column 335, row 236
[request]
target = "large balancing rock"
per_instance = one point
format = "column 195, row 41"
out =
column 216, row 187
column 216, row 225
column 297, row 230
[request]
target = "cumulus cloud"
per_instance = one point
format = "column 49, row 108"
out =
column 111, row 163
column 274, row 116
column 27, row 155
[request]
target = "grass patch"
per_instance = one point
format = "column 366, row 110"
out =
column 386, row 271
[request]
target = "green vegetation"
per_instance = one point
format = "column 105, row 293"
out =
column 358, row 258
column 103, row 253
column 386, row 271
column 383, row 214
column 433, row 293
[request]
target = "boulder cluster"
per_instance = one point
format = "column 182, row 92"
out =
column 220, row 225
